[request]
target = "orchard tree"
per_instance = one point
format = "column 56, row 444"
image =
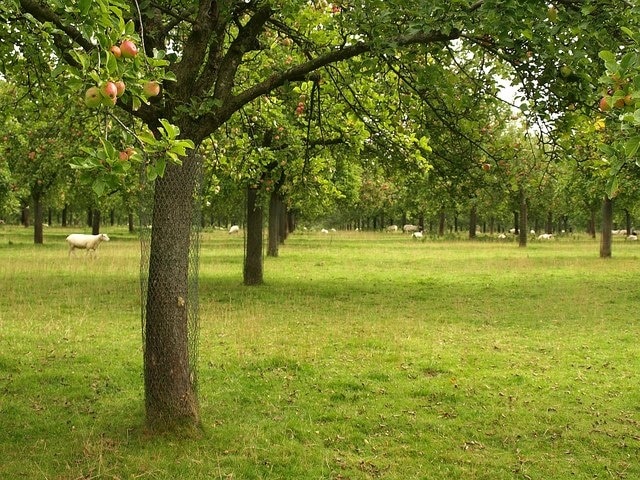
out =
column 214, row 57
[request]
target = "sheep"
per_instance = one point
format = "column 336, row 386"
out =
column 416, row 235
column 392, row 228
column 410, row 228
column 324, row 230
column 234, row 229
column 545, row 236
column 502, row 236
column 88, row 242
column 632, row 237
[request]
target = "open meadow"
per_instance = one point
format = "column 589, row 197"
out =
column 363, row 356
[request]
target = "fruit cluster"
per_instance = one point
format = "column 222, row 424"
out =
column 108, row 92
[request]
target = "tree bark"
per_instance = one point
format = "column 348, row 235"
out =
column 169, row 376
column 253, row 271
column 607, row 225
column 95, row 221
column 441, row 223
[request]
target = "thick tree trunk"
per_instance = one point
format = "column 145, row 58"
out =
column 169, row 375
column 38, row 220
column 253, row 273
column 607, row 225
column 523, row 228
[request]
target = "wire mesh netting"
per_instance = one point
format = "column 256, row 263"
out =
column 170, row 217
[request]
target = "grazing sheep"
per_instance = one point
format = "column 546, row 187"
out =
column 416, row 234
column 392, row 228
column 502, row 236
column 324, row 230
column 512, row 230
column 545, row 236
column 632, row 237
column 234, row 229
column 87, row 242
column 410, row 228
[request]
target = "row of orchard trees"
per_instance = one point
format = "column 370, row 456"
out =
column 299, row 103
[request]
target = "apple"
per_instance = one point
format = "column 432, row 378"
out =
column 565, row 71
column 92, row 97
column 619, row 103
column 109, row 90
column 120, row 87
column 151, row 89
column 604, row 105
column 116, row 51
column 128, row 49
column 628, row 99
column 486, row 167
column 109, row 101
column 123, row 156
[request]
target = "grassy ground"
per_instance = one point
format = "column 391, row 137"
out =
column 365, row 356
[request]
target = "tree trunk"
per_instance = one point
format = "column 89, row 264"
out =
column 169, row 369
column 130, row 221
column 549, row 227
column 283, row 224
column 441, row 223
column 522, row 235
column 65, row 212
column 274, row 225
column 253, row 274
column 38, row 220
column 592, row 223
column 473, row 221
column 627, row 216
column 607, row 225
column 95, row 221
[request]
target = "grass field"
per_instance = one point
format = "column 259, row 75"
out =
column 364, row 356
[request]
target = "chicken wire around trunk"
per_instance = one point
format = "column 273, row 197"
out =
column 170, row 217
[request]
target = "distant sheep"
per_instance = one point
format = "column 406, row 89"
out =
column 410, row 228
column 392, row 228
column 545, row 236
column 632, row 237
column 85, row 242
column 324, row 230
column 417, row 235
column 234, row 229
column 502, row 236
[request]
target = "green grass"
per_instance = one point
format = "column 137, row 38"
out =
column 364, row 356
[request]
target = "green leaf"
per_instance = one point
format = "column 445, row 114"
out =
column 631, row 146
column 85, row 6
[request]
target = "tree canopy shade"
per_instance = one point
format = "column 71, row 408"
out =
column 215, row 57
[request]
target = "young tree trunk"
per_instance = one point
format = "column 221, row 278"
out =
column 522, row 235
column 441, row 223
column 169, row 377
column 627, row 216
column 549, row 226
column 65, row 212
column 592, row 223
column 607, row 225
column 38, row 220
column 130, row 221
column 253, row 274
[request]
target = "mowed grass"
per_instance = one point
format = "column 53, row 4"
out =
column 364, row 356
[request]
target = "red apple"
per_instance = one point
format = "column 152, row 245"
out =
column 604, row 105
column 109, row 90
column 123, row 156
column 128, row 49
column 486, row 167
column 120, row 86
column 151, row 89
column 92, row 97
column 116, row 51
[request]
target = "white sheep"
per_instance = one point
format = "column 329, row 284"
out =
column 234, row 229
column 87, row 242
column 410, row 228
column 545, row 236
column 324, row 230
column 416, row 234
column 632, row 237
column 502, row 236
column 392, row 228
